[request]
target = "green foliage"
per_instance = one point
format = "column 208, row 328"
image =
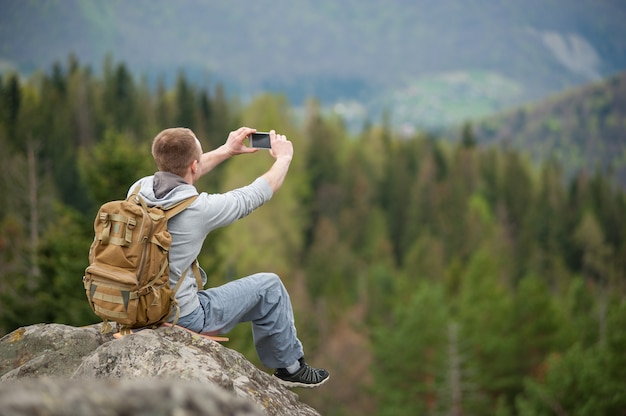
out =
column 579, row 128
column 10, row 104
column 106, row 169
column 13, row 268
column 583, row 381
column 411, row 354
column 596, row 254
column 119, row 97
column 488, row 329
column 63, row 262
column 537, row 322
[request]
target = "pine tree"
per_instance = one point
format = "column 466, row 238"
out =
column 485, row 315
column 583, row 381
column 111, row 166
column 411, row 353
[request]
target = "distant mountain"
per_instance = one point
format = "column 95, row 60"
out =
column 584, row 128
column 430, row 63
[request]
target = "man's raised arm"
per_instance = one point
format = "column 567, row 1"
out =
column 282, row 151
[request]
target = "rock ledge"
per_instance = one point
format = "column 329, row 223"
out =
column 60, row 369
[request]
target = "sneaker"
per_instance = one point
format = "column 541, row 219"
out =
column 306, row 376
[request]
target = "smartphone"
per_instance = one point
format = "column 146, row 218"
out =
column 260, row 140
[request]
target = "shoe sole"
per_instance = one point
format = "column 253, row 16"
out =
column 287, row 383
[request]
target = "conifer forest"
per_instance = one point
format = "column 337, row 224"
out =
column 431, row 275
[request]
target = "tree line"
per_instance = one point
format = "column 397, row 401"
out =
column 582, row 128
column 431, row 275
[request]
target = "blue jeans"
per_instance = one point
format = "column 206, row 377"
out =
column 261, row 299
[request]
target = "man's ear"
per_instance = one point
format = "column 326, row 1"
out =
column 194, row 167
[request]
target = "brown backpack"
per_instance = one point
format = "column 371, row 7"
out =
column 127, row 280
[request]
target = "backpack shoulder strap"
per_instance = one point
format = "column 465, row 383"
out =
column 137, row 198
column 171, row 211
column 196, row 272
column 136, row 190
column 180, row 206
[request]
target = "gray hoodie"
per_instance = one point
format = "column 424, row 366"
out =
column 190, row 228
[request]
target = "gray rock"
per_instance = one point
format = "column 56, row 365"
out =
column 154, row 369
column 65, row 397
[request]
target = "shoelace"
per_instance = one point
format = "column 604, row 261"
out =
column 310, row 375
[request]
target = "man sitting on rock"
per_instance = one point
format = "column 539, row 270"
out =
column 261, row 298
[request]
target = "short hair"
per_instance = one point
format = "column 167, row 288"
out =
column 175, row 149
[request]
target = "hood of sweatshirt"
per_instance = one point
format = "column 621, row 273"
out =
column 164, row 189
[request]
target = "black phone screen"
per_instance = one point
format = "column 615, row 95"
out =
column 261, row 140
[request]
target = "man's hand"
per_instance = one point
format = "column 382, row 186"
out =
column 234, row 143
column 281, row 147
column 233, row 146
